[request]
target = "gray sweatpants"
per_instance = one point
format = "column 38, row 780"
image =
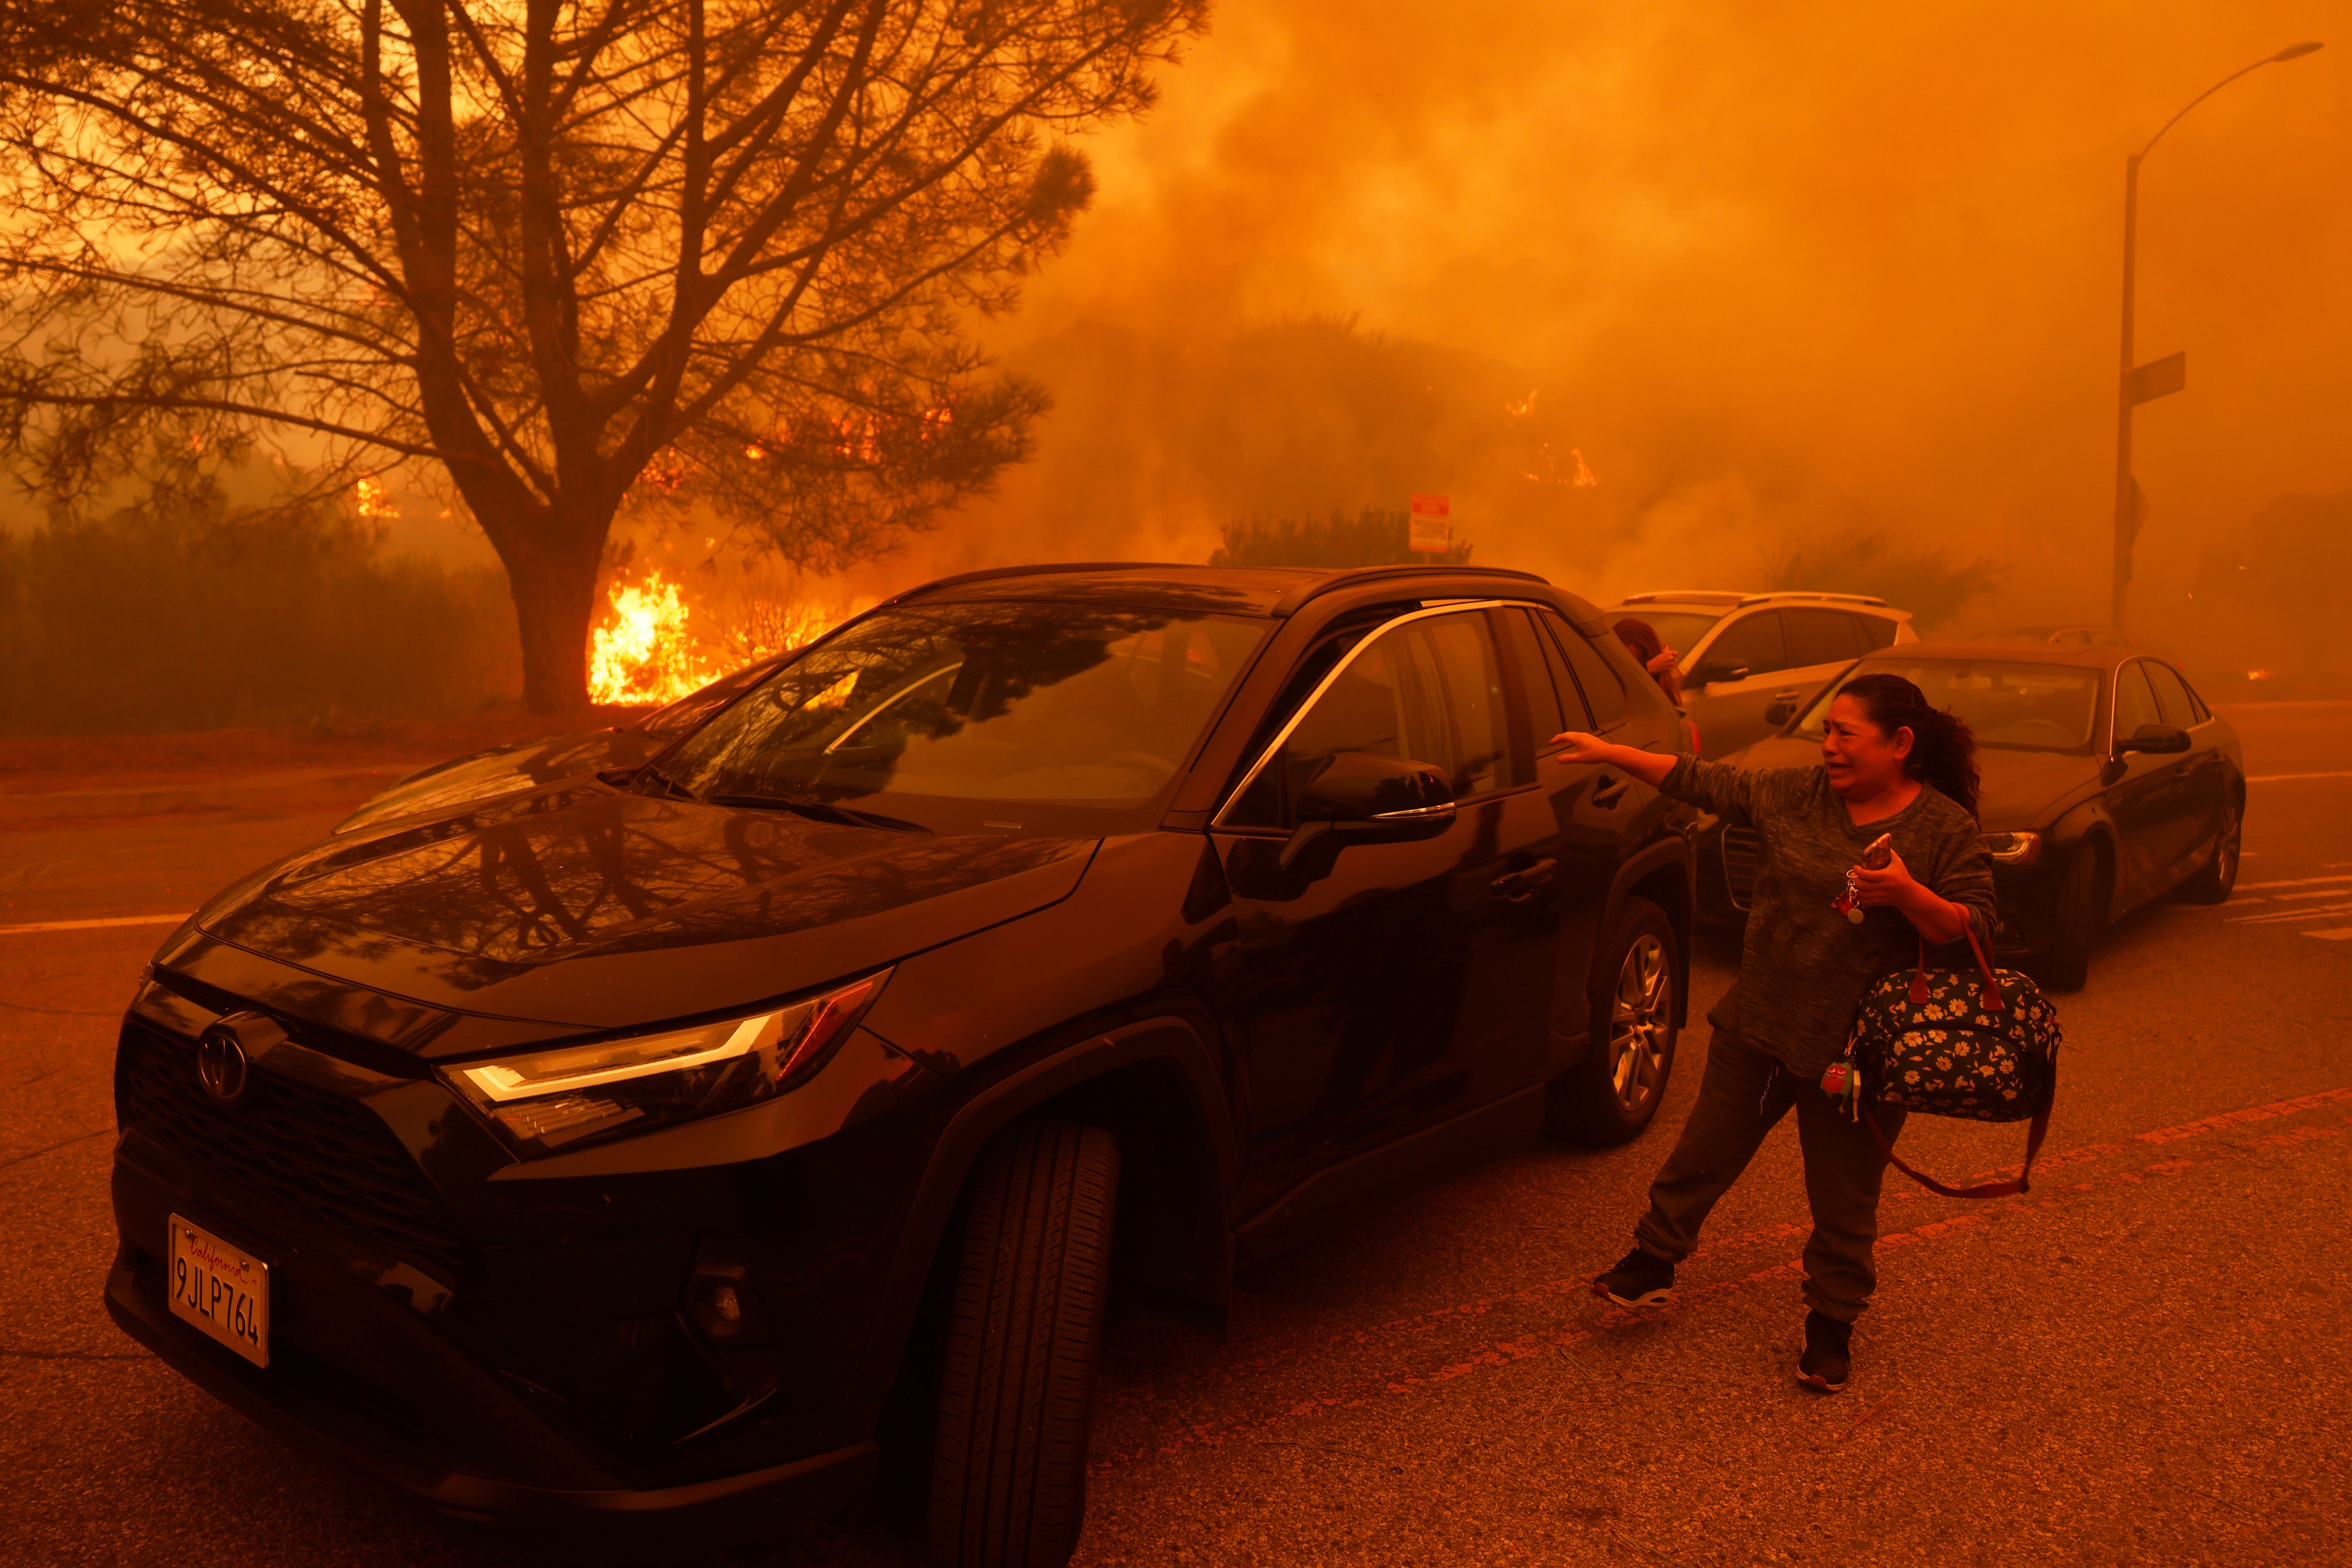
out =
column 1743, row 1095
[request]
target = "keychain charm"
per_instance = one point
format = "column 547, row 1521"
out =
column 1876, row 857
column 1842, row 1081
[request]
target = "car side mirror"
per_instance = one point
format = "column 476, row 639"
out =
column 1709, row 673
column 2154, row 737
column 1365, row 798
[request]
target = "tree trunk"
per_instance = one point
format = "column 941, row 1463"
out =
column 554, row 588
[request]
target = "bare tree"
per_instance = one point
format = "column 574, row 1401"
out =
column 712, row 252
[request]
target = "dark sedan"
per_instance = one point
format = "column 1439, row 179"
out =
column 2107, row 782
column 653, row 1147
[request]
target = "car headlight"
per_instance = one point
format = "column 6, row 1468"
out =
column 573, row 1095
column 2014, row 848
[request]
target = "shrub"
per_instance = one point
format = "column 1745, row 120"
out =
column 1373, row 538
column 1920, row 578
column 204, row 619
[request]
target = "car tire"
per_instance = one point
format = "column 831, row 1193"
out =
column 1023, row 1334
column 2212, row 884
column 2075, row 924
column 1614, row 1088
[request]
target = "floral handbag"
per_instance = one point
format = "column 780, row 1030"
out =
column 1982, row 1047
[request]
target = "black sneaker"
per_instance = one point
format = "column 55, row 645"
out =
column 1826, row 1361
column 1638, row 1281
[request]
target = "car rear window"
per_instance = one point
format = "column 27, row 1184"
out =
column 1821, row 636
column 1604, row 694
column 2010, row 706
column 1753, row 643
column 1678, row 629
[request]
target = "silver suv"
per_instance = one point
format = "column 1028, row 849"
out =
column 1750, row 660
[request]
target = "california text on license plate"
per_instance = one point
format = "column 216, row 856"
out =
column 220, row 1290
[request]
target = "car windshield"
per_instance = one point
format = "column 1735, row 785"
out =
column 2011, row 707
column 669, row 723
column 1678, row 629
column 999, row 717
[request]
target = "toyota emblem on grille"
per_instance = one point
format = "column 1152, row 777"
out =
column 220, row 1063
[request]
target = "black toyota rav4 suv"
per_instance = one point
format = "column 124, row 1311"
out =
column 626, row 1149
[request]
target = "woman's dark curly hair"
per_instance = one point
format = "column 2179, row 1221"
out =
column 1943, row 748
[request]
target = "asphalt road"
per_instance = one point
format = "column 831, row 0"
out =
column 2147, row 1359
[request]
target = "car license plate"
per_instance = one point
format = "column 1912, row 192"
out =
column 220, row 1290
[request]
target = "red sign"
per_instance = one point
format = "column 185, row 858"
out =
column 1432, row 524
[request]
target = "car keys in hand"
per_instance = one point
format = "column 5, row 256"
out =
column 1874, row 858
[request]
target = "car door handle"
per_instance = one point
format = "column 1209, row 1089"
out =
column 1609, row 791
column 1523, row 882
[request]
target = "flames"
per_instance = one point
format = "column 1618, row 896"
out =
column 372, row 500
column 652, row 646
column 642, row 653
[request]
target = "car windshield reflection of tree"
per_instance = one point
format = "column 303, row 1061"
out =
column 2011, row 707
column 964, row 718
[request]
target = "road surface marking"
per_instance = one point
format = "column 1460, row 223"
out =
column 93, row 925
column 2296, row 882
column 2341, row 934
column 2281, row 778
column 2320, row 912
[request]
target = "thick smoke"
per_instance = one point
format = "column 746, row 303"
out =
column 1779, row 273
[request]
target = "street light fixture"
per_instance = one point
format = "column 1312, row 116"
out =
column 2140, row 383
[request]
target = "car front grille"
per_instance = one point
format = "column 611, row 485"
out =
column 1743, row 853
column 325, row 1158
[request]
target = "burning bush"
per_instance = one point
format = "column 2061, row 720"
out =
column 659, row 636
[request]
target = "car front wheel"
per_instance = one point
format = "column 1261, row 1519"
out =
column 1613, row 1089
column 1023, row 1334
column 2075, row 924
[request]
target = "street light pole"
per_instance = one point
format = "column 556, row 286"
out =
column 2135, row 383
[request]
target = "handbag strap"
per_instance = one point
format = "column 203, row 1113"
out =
column 1984, row 1190
column 1990, row 998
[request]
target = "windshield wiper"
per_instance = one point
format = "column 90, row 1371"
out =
column 819, row 811
column 662, row 781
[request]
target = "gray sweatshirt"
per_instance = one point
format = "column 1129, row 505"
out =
column 1803, row 966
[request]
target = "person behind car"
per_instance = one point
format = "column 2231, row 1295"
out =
column 1663, row 663
column 1890, row 765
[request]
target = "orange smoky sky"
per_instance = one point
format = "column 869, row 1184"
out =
column 1772, row 269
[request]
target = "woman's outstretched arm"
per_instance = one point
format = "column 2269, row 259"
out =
column 1738, row 794
column 1650, row 767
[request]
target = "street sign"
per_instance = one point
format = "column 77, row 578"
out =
column 2158, row 378
column 1432, row 524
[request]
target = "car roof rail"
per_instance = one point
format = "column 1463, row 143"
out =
column 1808, row 596
column 1351, row 577
column 1041, row 569
column 1686, row 595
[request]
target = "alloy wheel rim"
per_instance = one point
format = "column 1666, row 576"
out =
column 2225, row 854
column 1638, row 1023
